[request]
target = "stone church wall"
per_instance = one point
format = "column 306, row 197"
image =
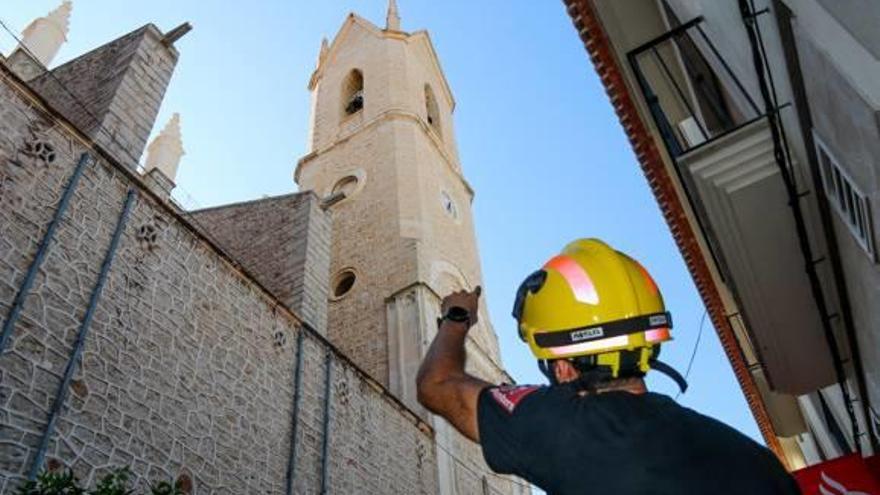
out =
column 284, row 242
column 188, row 369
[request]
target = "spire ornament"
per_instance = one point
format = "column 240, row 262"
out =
column 165, row 150
column 44, row 36
column 392, row 18
column 325, row 48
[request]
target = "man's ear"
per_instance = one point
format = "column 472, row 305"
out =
column 564, row 371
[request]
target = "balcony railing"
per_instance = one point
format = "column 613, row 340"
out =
column 692, row 94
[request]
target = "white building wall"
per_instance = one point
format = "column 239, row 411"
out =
column 841, row 75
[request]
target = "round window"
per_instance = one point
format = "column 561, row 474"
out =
column 343, row 283
column 448, row 205
column 345, row 185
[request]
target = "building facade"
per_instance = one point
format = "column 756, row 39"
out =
column 266, row 346
column 757, row 125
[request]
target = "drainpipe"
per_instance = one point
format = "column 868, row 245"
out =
column 789, row 49
column 24, row 290
column 325, row 428
column 75, row 354
column 297, row 381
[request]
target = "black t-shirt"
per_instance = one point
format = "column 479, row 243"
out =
column 620, row 443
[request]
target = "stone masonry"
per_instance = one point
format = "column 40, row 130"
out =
column 188, row 369
column 408, row 221
column 23, row 64
column 284, row 241
column 113, row 92
column 404, row 227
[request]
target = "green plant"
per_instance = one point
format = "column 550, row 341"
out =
column 165, row 488
column 114, row 483
column 52, row 483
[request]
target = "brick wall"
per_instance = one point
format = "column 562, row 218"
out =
column 284, row 242
column 188, row 368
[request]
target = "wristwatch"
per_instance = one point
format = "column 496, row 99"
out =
column 456, row 314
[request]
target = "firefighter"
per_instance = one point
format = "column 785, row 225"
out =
column 595, row 320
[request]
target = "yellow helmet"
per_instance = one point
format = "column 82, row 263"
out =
column 591, row 300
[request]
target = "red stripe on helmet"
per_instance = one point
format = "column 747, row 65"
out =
column 578, row 279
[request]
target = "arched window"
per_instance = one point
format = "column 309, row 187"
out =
column 353, row 92
column 432, row 111
column 345, row 186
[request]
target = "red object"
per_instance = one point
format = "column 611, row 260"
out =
column 508, row 396
column 874, row 465
column 848, row 475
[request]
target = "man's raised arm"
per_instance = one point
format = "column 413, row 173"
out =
column 443, row 386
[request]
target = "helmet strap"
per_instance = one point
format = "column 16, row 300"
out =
column 671, row 373
column 546, row 367
column 593, row 375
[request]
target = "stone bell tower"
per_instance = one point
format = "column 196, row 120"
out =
column 383, row 157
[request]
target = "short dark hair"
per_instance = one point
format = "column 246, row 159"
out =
column 595, row 376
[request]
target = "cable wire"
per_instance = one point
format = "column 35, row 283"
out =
column 687, row 372
column 72, row 95
column 134, row 164
column 765, row 84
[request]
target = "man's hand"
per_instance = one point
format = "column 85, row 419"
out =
column 469, row 301
column 443, row 386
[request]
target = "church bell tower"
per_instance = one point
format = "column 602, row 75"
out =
column 383, row 157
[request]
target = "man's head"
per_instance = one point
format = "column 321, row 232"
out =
column 595, row 309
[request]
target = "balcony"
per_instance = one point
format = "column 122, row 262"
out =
column 721, row 147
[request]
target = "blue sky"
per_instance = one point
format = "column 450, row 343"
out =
column 538, row 139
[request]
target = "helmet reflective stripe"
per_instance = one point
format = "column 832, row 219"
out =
column 628, row 326
column 587, row 347
column 657, row 335
column 577, row 278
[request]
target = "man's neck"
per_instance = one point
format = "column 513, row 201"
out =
column 630, row 385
